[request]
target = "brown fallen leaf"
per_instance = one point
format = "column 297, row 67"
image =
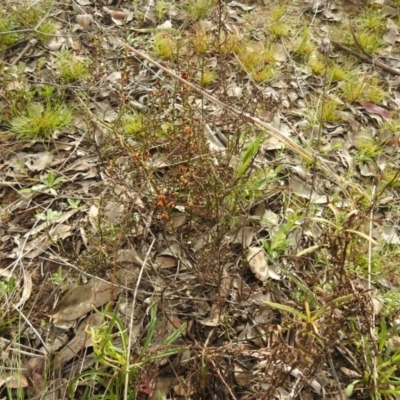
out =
column 81, row 300
column 84, row 20
column 372, row 108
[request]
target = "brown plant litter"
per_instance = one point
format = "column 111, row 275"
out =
column 199, row 200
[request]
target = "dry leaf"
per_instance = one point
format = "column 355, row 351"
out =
column 166, row 261
column 81, row 300
column 244, row 236
column 80, row 340
column 56, row 41
column 38, row 161
column 118, row 15
column 14, row 381
column 84, row 20
column 374, row 109
column 350, row 373
column 178, row 219
column 258, row 264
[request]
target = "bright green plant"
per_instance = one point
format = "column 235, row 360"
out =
column 70, row 67
column 367, row 150
column 164, row 45
column 57, row 277
column 328, row 111
column 110, row 345
column 275, row 26
column 381, row 376
column 201, row 39
column 372, row 19
column 28, row 14
column 256, row 59
column 133, row 124
column 7, row 286
column 207, row 77
column 161, row 8
column 50, row 215
column 370, row 42
column 303, row 46
column 356, row 88
column 7, row 24
column 48, row 182
column 317, row 65
column 308, row 317
column 39, row 122
column 279, row 243
column 73, row 204
column 337, row 73
column 46, row 29
column 198, row 9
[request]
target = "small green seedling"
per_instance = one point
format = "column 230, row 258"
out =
column 57, row 277
column 73, row 204
column 47, row 183
column 50, row 215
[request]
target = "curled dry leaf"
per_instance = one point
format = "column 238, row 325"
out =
column 118, row 15
column 377, row 306
column 84, row 20
column 166, row 261
column 350, row 373
column 242, row 377
column 129, row 257
column 258, row 264
column 178, row 219
column 37, row 161
column 372, row 108
column 56, row 41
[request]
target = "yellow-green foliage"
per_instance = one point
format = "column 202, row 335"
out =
column 29, row 13
column 133, row 124
column 362, row 88
column 370, row 41
column 70, row 67
column 337, row 73
column 228, row 43
column 46, row 29
column 201, row 39
column 164, row 45
column 303, row 46
column 256, row 59
column 207, row 77
column 368, row 31
column 198, row 9
column 317, row 66
column 39, row 122
column 6, row 25
column 368, row 149
column 275, row 26
column 328, row 111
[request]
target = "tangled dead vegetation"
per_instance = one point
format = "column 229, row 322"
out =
column 199, row 200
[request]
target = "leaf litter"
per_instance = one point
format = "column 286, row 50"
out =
column 252, row 233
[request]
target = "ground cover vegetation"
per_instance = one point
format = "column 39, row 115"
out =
column 199, row 199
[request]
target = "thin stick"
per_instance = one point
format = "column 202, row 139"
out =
column 368, row 59
column 373, row 356
column 128, row 350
